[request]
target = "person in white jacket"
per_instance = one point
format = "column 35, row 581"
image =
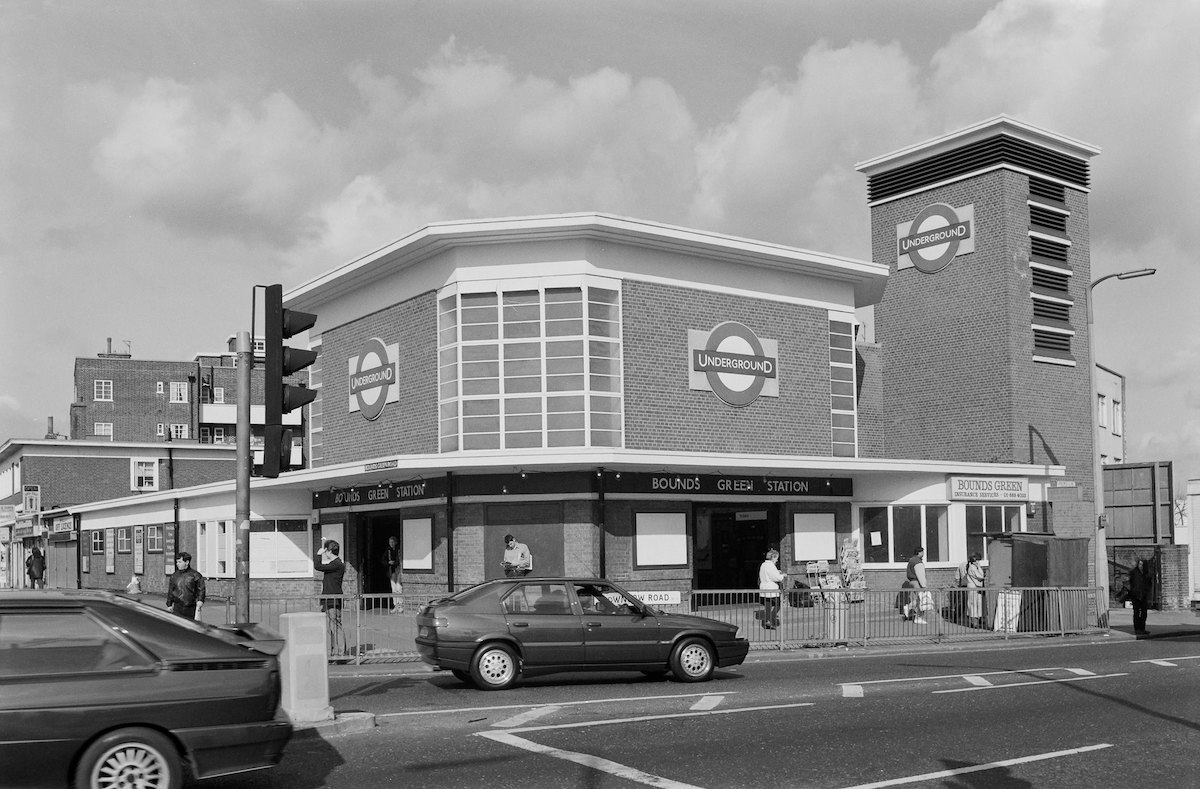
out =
column 769, row 578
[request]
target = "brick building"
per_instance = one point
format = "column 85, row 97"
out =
column 40, row 479
column 659, row 404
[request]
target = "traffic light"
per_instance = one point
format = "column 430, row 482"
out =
column 281, row 398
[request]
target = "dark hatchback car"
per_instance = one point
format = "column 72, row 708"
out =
column 97, row 690
column 493, row 633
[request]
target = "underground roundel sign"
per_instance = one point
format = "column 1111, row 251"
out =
column 733, row 363
column 374, row 381
column 937, row 235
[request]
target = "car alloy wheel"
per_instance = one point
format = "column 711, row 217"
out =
column 495, row 667
column 130, row 759
column 692, row 661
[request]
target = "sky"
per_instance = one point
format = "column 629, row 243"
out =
column 161, row 158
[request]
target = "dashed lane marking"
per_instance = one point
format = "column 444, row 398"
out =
column 708, row 702
column 912, row 779
column 526, row 717
column 852, row 691
column 1032, row 682
column 975, row 679
column 1170, row 662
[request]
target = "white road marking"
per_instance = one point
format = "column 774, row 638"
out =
column 643, row 718
column 975, row 679
column 1083, row 672
column 556, row 704
column 1167, row 661
column 526, row 717
column 852, row 691
column 981, row 767
column 708, row 702
column 1034, row 682
column 955, row 676
column 587, row 760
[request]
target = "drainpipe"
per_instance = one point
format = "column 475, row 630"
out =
column 602, row 518
column 450, row 531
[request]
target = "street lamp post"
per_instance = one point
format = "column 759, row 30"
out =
column 1101, row 559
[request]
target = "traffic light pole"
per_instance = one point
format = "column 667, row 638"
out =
column 241, row 581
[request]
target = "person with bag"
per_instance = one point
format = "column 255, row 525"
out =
column 973, row 579
column 919, row 599
column 35, row 568
column 769, row 578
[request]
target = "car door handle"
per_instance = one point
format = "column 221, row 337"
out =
column 520, row 624
column 594, row 624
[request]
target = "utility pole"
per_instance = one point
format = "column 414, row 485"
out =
column 241, row 581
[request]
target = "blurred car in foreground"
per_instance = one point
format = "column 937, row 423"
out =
column 98, row 690
column 493, row 633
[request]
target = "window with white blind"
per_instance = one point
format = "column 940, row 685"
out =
column 102, row 430
column 143, row 474
column 179, row 431
column 179, row 392
column 530, row 366
column 102, row 390
column 216, row 550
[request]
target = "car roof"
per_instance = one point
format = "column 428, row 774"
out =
column 53, row 598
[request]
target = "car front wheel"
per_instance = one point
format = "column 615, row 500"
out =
column 692, row 661
column 495, row 667
column 135, row 758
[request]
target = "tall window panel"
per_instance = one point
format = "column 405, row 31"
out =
column 843, row 401
column 530, row 366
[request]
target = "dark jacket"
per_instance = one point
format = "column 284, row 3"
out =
column 335, row 571
column 1140, row 585
column 185, row 587
column 35, row 565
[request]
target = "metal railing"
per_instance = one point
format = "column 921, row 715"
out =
column 807, row 617
column 866, row 617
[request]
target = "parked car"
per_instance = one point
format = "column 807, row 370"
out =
column 495, row 632
column 98, row 690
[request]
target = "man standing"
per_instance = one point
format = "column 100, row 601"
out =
column 392, row 559
column 185, row 588
column 35, row 567
column 1140, row 589
column 517, row 560
column 329, row 563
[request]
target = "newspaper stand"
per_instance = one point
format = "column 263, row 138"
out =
column 833, row 600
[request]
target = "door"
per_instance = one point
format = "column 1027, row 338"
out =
column 739, row 541
column 615, row 631
column 540, row 615
column 374, row 537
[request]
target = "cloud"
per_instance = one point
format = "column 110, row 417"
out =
column 207, row 163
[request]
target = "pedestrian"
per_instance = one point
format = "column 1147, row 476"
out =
column 769, row 578
column 974, row 577
column 393, row 560
column 1140, row 588
column 914, row 576
column 517, row 559
column 35, row 568
column 330, row 563
column 185, row 588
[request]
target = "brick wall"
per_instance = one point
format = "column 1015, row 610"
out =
column 662, row 413
column 408, row 426
column 957, row 347
column 81, row 479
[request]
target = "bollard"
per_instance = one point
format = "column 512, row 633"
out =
column 303, row 666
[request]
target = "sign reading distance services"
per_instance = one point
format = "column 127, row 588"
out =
column 374, row 378
column 733, row 363
column 937, row 235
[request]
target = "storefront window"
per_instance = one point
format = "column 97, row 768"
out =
column 988, row 519
column 890, row 534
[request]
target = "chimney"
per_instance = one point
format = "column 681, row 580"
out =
column 50, row 428
column 109, row 351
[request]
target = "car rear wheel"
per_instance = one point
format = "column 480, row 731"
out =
column 692, row 661
column 134, row 758
column 495, row 667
